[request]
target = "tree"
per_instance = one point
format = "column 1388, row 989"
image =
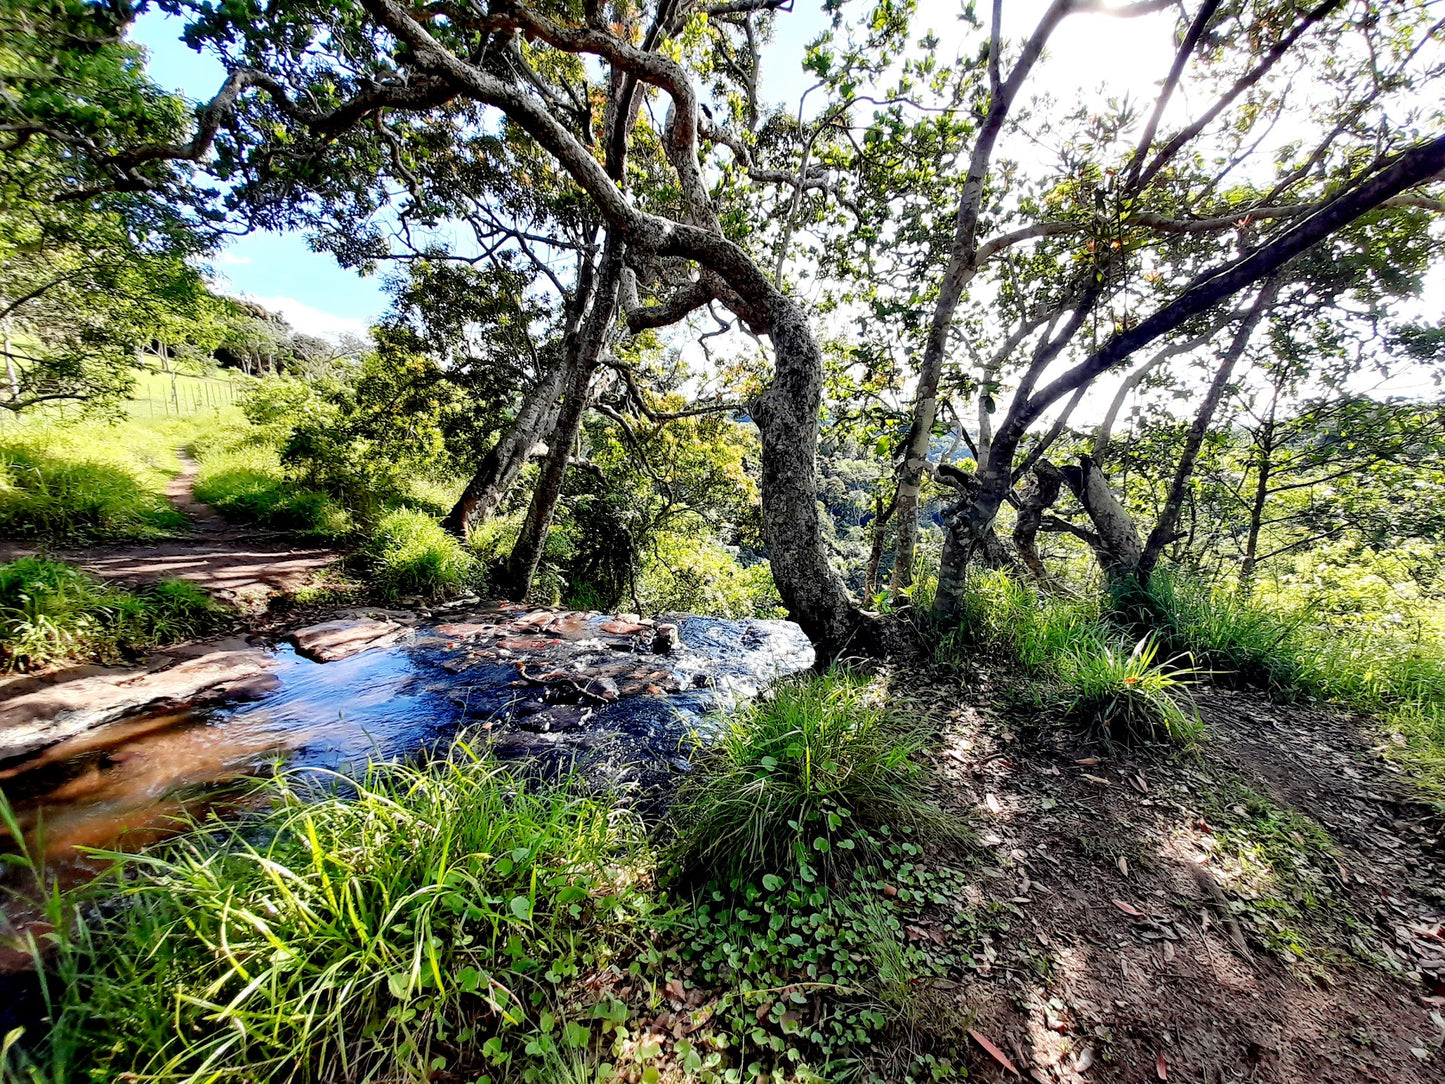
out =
column 87, row 275
column 382, row 83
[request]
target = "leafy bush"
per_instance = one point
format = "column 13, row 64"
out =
column 1129, row 696
column 50, row 612
column 245, row 483
column 432, row 912
column 410, row 554
column 791, row 774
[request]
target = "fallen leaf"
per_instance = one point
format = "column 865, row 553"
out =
column 992, row 802
column 993, row 1051
column 1100, row 780
column 1086, row 1060
column 1129, row 909
column 1087, row 760
column 1123, row 865
column 890, row 891
column 1160, row 1067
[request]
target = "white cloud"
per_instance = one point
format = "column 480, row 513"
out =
column 227, row 258
column 310, row 320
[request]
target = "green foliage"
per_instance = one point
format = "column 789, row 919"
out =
column 1226, row 634
column 409, row 554
column 243, row 480
column 792, row 775
column 50, row 612
column 1130, row 694
column 59, row 481
column 812, row 975
column 419, row 915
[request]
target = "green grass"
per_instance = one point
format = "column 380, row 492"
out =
column 245, row 482
column 51, row 612
column 421, row 918
column 89, row 479
column 792, row 774
column 1131, row 694
column 1078, row 662
column 408, row 554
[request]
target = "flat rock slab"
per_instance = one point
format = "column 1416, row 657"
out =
column 39, row 711
column 333, row 640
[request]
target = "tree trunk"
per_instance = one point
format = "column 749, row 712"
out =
column 498, row 471
column 1117, row 546
column 584, row 351
column 1163, row 532
column 881, row 516
column 1263, row 464
column 787, row 417
column 1048, row 481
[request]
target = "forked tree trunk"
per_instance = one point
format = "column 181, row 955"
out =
column 583, row 352
column 498, row 471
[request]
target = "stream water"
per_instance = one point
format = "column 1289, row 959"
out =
column 576, row 691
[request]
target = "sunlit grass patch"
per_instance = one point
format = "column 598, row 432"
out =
column 409, row 554
column 246, row 484
column 792, row 775
column 51, row 612
column 89, row 479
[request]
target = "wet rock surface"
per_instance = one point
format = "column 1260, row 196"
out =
column 37, row 712
column 107, row 757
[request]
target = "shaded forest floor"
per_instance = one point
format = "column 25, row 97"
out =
column 1268, row 907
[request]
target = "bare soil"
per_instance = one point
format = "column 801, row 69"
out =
column 236, row 565
column 1270, row 907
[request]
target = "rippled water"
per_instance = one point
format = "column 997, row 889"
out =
column 122, row 784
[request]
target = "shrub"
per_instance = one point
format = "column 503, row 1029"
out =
column 410, row 554
column 420, row 914
column 50, row 612
column 245, row 483
column 1129, row 695
column 791, row 774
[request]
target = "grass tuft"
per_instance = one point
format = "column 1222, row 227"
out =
column 51, row 612
column 793, row 773
column 410, row 554
column 1129, row 695
column 420, row 918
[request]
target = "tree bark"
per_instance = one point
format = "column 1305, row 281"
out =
column 498, row 471
column 1117, row 548
column 1263, row 464
column 1048, row 481
column 881, row 515
column 584, row 352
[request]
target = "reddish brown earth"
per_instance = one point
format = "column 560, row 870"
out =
column 1138, row 946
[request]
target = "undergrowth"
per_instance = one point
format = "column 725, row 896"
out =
column 792, row 776
column 447, row 918
column 102, row 480
column 51, row 612
column 245, row 482
column 408, row 553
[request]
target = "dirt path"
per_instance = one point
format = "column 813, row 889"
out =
column 1271, row 908
column 238, row 565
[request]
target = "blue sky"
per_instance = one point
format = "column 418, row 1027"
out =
column 278, row 270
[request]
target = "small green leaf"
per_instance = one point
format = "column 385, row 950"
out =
column 521, row 907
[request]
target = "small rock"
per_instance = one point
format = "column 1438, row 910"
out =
column 665, row 640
